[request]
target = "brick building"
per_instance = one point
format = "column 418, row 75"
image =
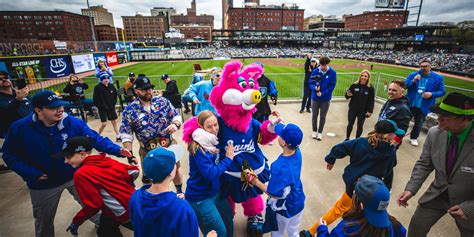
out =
column 44, row 25
column 195, row 31
column 144, row 27
column 284, row 17
column 100, row 15
column 375, row 20
column 108, row 33
column 191, row 18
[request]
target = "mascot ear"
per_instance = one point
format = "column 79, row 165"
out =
column 231, row 67
column 254, row 70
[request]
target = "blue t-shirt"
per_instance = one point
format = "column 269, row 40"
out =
column 421, row 90
column 285, row 187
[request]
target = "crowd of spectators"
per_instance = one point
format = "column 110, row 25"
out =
column 440, row 59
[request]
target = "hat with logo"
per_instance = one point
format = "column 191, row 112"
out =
column 159, row 162
column 142, row 83
column 47, row 99
column 131, row 74
column 103, row 75
column 455, row 104
column 164, row 76
column 388, row 126
column 375, row 197
column 75, row 145
column 290, row 133
column 313, row 60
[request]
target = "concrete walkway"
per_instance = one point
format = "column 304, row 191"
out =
column 322, row 187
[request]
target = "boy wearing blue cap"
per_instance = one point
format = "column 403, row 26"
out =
column 154, row 209
column 372, row 155
column 286, row 196
column 368, row 215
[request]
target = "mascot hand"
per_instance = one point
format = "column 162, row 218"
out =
column 207, row 140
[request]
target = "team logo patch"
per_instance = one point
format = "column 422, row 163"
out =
column 263, row 91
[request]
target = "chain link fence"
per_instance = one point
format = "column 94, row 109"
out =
column 289, row 85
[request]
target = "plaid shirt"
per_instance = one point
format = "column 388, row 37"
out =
column 147, row 125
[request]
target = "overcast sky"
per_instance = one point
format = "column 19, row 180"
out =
column 433, row 10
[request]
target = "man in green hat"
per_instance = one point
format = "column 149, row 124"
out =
column 448, row 150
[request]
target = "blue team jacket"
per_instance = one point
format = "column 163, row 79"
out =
column 29, row 145
column 326, row 81
column 435, row 85
column 341, row 230
column 205, row 170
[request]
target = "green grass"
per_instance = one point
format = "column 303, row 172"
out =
column 289, row 84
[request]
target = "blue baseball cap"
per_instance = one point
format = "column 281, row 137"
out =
column 164, row 76
column 290, row 133
column 159, row 162
column 259, row 63
column 47, row 99
column 103, row 75
column 388, row 126
column 373, row 193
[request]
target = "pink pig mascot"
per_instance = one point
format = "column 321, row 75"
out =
column 234, row 100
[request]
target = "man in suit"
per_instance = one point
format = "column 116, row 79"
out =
column 448, row 150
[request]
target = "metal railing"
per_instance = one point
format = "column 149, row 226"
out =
column 289, row 85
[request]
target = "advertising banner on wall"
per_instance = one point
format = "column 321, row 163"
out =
column 98, row 56
column 83, row 63
column 30, row 69
column 112, row 59
column 122, row 57
column 58, row 66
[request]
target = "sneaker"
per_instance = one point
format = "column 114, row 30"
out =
column 301, row 111
column 305, row 233
column 319, row 136
column 308, row 110
column 254, row 225
column 4, row 169
column 314, row 135
column 414, row 142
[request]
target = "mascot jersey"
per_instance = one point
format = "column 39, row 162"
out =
column 246, row 148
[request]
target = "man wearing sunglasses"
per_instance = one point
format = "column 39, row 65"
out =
column 200, row 91
column 423, row 86
column 14, row 104
column 448, row 152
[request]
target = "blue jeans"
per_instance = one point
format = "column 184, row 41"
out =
column 419, row 118
column 208, row 216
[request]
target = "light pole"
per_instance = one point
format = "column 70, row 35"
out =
column 92, row 25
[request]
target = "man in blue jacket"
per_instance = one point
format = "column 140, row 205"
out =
column 28, row 147
column 322, row 82
column 424, row 86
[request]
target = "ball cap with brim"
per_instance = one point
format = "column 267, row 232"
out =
column 103, row 75
column 375, row 197
column 455, row 104
column 142, row 83
column 131, row 74
column 388, row 126
column 290, row 133
column 164, row 76
column 159, row 162
column 47, row 99
column 75, row 145
column 314, row 60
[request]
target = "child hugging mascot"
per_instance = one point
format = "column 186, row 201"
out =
column 234, row 100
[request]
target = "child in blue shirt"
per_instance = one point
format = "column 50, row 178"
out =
column 154, row 209
column 286, row 197
column 368, row 214
column 205, row 169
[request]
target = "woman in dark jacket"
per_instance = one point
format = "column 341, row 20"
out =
column 105, row 98
column 310, row 64
column 361, row 105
